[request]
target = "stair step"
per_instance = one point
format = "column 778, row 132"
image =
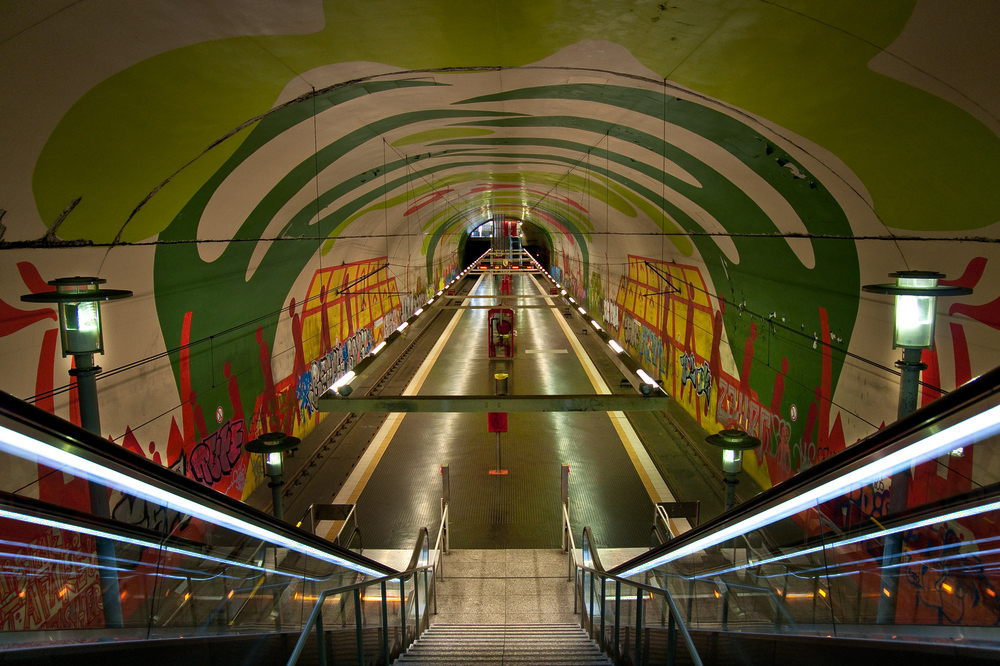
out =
column 539, row 644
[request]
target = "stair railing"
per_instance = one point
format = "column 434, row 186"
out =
column 422, row 570
column 590, row 590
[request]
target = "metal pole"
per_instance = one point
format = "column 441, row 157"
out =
column 590, row 628
column 402, row 614
column 690, row 598
column 603, row 605
column 385, row 626
column 107, row 562
column 618, row 613
column 671, row 640
column 577, row 587
column 899, row 490
column 638, row 625
column 275, row 485
column 731, row 483
column 357, row 627
column 498, row 453
column 320, row 638
column 445, row 502
column 416, row 606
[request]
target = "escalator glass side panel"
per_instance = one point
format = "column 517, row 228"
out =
column 840, row 556
column 93, row 550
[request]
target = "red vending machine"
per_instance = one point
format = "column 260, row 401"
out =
column 501, row 333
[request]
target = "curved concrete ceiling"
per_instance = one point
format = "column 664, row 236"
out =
column 754, row 163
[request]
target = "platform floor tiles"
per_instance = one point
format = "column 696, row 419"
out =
column 505, row 586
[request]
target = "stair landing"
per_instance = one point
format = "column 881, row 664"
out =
column 505, row 586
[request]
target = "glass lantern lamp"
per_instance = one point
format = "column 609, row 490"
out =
column 733, row 443
column 272, row 446
column 916, row 294
column 78, row 300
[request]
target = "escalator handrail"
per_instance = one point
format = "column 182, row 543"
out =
column 314, row 615
column 38, row 424
column 652, row 590
column 965, row 396
column 587, row 540
column 421, row 547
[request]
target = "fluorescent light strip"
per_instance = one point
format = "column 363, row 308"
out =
column 57, row 524
column 955, row 515
column 26, row 447
column 346, row 378
column 377, row 348
column 974, row 428
column 402, row 327
column 614, row 345
column 582, row 311
column 192, row 574
column 596, row 325
column 416, row 313
column 644, row 376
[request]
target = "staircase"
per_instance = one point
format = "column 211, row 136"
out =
column 511, row 644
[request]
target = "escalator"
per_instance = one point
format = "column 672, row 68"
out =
column 818, row 568
column 175, row 571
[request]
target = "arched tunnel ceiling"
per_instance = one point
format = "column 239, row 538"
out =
column 217, row 159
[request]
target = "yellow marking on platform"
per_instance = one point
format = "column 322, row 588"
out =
column 362, row 472
column 644, row 467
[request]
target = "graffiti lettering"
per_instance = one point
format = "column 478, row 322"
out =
column 328, row 367
column 610, row 313
column 700, row 376
column 216, row 455
column 652, row 348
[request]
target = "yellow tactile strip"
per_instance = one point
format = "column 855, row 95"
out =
column 355, row 484
column 644, row 466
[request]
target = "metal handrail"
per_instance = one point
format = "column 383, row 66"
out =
column 420, row 552
column 325, row 594
column 602, row 574
column 439, row 552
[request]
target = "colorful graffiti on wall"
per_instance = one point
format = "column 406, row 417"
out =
column 344, row 312
column 658, row 301
column 665, row 317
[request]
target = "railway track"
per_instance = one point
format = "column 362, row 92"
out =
column 389, row 383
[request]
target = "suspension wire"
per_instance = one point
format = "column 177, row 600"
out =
column 209, row 339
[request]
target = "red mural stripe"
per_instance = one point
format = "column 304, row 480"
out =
column 931, row 375
column 14, row 319
column 45, row 378
column 963, row 364
column 970, row 278
column 32, row 279
column 187, row 417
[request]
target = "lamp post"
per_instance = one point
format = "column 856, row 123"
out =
column 272, row 446
column 78, row 300
column 916, row 295
column 733, row 443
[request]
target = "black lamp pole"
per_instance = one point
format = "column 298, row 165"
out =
column 916, row 295
column 78, row 300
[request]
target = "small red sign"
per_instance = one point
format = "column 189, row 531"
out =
column 496, row 422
